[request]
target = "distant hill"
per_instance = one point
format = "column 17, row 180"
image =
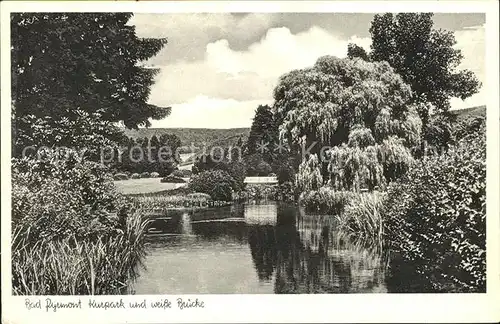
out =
column 211, row 137
column 190, row 135
column 466, row 112
column 208, row 137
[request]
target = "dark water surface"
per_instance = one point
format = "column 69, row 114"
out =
column 261, row 248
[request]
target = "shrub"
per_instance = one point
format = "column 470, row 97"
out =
column 177, row 173
column 182, row 173
column 217, row 183
column 286, row 192
column 57, row 199
column 362, row 218
column 236, row 169
column 285, row 173
column 263, row 169
column 145, row 175
column 72, row 233
column 120, row 176
column 470, row 125
column 154, row 174
column 325, row 200
column 172, row 179
column 135, row 176
column 435, row 218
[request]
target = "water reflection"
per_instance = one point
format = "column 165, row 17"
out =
column 256, row 248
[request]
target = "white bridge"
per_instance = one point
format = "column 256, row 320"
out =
column 261, row 180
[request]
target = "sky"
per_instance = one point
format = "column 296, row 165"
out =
column 217, row 68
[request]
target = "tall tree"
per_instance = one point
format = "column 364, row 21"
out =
column 424, row 57
column 262, row 132
column 356, row 51
column 357, row 117
column 64, row 64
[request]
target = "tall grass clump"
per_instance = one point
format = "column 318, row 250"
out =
column 325, row 200
column 72, row 233
column 73, row 266
column 362, row 219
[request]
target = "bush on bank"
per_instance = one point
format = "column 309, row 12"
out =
column 325, row 200
column 67, row 216
column 182, row 173
column 435, row 217
column 217, row 183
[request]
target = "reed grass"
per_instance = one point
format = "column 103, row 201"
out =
column 326, row 200
column 79, row 267
column 193, row 200
column 362, row 219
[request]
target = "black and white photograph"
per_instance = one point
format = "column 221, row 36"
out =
column 235, row 153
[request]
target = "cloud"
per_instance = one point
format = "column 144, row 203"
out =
column 471, row 41
column 249, row 74
column 206, row 112
column 278, row 52
column 188, row 33
column 224, row 85
column 181, row 82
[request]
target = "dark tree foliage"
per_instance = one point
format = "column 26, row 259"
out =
column 149, row 155
column 170, row 141
column 63, row 64
column 226, row 160
column 355, row 51
column 263, row 151
column 424, row 57
column 435, row 216
column 438, row 133
column 263, row 130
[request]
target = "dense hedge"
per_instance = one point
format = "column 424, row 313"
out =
column 217, row 183
column 435, row 217
column 172, row 179
column 182, row 173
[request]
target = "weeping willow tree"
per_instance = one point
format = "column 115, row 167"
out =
column 357, row 117
column 309, row 176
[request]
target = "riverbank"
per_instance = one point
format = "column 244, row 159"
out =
column 73, row 234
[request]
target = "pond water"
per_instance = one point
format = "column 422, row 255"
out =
column 261, row 248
